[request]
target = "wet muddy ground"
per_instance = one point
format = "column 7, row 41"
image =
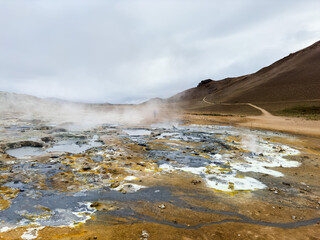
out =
column 160, row 181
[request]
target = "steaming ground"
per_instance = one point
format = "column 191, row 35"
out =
column 75, row 171
column 76, row 114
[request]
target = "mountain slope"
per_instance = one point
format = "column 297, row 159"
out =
column 293, row 78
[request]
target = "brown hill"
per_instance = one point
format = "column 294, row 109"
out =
column 291, row 79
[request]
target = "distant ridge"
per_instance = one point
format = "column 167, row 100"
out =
column 292, row 78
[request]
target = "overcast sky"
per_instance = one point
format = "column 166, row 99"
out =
column 127, row 51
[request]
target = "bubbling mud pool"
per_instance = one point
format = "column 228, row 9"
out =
column 70, row 146
column 66, row 182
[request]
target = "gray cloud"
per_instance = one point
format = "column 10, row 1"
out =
column 129, row 51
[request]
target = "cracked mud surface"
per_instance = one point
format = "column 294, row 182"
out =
column 160, row 181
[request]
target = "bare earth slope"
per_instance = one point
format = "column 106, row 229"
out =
column 293, row 78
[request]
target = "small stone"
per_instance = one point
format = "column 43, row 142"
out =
column 294, row 217
column 231, row 186
column 162, row 206
column 195, row 182
column 94, row 204
column 86, row 168
column 273, row 189
column 114, row 185
column 286, row 183
column 144, row 235
column 141, row 164
column 47, row 139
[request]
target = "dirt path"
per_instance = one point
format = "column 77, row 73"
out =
column 263, row 111
column 204, row 100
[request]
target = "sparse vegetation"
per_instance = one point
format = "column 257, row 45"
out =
column 307, row 112
column 213, row 114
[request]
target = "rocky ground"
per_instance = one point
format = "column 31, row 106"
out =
column 164, row 180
